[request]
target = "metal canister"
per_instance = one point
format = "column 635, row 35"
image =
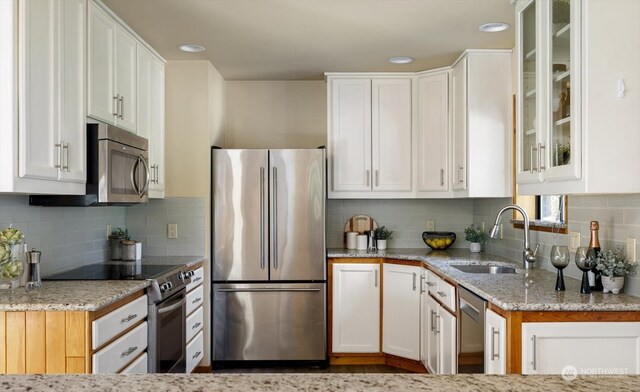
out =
column 128, row 250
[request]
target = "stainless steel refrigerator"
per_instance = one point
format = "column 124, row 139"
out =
column 269, row 256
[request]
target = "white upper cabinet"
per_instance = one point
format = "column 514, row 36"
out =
column 482, row 124
column 112, row 71
column 433, row 136
column 44, row 147
column 370, row 137
column 401, row 311
column 577, row 114
column 150, row 115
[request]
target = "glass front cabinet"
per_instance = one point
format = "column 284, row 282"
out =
column 548, row 132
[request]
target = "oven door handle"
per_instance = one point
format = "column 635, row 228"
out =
column 470, row 310
column 173, row 307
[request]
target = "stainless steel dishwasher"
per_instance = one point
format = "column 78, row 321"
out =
column 470, row 332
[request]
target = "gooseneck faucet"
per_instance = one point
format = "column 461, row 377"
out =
column 528, row 255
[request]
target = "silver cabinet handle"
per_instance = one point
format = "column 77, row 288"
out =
column 196, row 325
column 460, row 174
column 275, row 218
column 375, row 278
column 533, row 341
column 541, row 147
column 157, row 173
column 121, row 111
column 377, row 177
column 129, row 351
column 437, row 331
column 422, row 290
column 414, row 281
column 195, row 301
column 196, row 355
column 262, row 209
column 116, row 106
column 367, row 174
column 531, row 158
column 196, row 279
column 442, row 294
column 65, row 154
column 58, row 147
column 430, row 284
column 433, row 323
column 129, row 318
column 441, row 177
column 495, row 355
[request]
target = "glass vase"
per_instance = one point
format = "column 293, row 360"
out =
column 12, row 266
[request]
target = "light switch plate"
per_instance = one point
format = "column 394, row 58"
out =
column 108, row 230
column 431, row 225
column 631, row 249
column 172, row 230
column 574, row 241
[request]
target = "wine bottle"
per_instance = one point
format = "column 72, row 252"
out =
column 595, row 276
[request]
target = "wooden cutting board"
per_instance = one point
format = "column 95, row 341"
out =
column 360, row 224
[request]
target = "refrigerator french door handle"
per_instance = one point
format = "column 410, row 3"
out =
column 275, row 218
column 261, row 217
column 267, row 290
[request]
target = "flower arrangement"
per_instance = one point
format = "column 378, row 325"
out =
column 474, row 234
column 613, row 263
column 381, row 233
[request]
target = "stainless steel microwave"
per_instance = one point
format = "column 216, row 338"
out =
column 117, row 170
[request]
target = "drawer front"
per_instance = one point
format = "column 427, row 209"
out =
column 196, row 279
column 195, row 298
column 195, row 352
column 194, row 323
column 446, row 294
column 117, row 354
column 139, row 366
column 431, row 281
column 112, row 324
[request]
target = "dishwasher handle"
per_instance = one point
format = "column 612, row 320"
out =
column 469, row 310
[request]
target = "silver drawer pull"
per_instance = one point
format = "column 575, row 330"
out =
column 129, row 351
column 129, row 318
column 196, row 279
column 195, row 301
column 430, row 284
column 442, row 293
column 196, row 355
column 196, row 325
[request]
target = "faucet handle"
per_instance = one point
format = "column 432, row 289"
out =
column 535, row 252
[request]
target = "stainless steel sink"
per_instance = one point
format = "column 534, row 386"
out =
column 484, row 269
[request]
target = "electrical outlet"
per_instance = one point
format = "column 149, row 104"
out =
column 631, row 249
column 172, row 230
column 574, row 241
column 482, row 226
column 108, row 231
column 431, row 225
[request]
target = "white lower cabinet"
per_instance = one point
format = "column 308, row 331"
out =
column 589, row 347
column 139, row 366
column 495, row 338
column 195, row 352
column 195, row 321
column 356, row 308
column 117, row 354
column 441, row 347
column 401, row 311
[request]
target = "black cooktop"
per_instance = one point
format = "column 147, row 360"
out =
column 120, row 271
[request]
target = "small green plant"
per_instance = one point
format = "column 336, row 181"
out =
column 473, row 233
column 382, row 233
column 614, row 263
column 119, row 233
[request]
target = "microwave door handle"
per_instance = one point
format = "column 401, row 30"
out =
column 146, row 174
column 134, row 169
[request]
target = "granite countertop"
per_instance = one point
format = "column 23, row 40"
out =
column 85, row 295
column 314, row 382
column 531, row 291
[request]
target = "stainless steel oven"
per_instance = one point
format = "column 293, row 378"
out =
column 470, row 332
column 167, row 348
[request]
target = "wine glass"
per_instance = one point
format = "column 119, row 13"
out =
column 585, row 260
column 560, row 259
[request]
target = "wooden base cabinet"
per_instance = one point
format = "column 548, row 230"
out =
column 600, row 347
column 495, row 347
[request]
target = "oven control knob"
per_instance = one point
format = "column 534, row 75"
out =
column 190, row 274
column 182, row 275
column 166, row 286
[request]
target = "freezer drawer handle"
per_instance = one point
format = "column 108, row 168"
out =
column 266, row 290
column 275, row 218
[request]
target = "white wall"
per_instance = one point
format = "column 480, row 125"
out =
column 276, row 114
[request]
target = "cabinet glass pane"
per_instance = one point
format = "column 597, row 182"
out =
column 528, row 100
column 560, row 83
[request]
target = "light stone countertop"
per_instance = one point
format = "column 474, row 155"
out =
column 314, row 382
column 534, row 291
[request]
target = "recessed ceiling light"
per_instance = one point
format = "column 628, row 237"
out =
column 191, row 48
column 401, row 60
column 494, row 27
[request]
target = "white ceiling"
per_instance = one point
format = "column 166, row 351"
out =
column 302, row 39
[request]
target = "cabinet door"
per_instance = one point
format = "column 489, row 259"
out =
column 401, row 311
column 355, row 308
column 101, row 61
column 459, row 118
column 156, row 138
column 72, row 95
column 125, row 79
column 495, row 337
column 448, row 353
column 391, row 134
column 432, row 335
column 549, row 348
column 350, row 135
column 38, row 86
column 433, row 132
column 424, row 318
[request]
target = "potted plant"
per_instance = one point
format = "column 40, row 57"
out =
column 476, row 237
column 382, row 235
column 614, row 266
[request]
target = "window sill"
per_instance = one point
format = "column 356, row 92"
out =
column 538, row 225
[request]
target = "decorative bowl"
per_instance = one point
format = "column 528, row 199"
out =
column 439, row 239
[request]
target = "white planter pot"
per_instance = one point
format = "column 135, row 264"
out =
column 382, row 244
column 613, row 285
column 475, row 247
